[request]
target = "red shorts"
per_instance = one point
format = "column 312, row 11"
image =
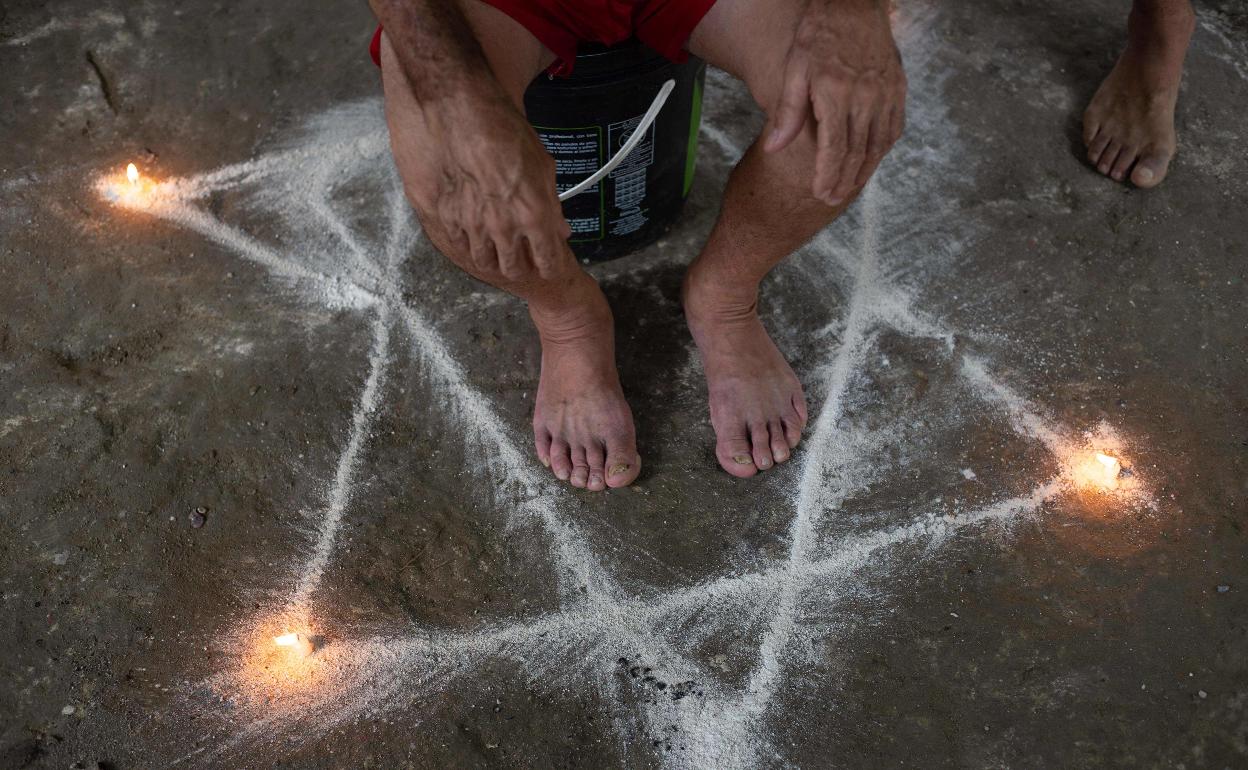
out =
column 664, row 25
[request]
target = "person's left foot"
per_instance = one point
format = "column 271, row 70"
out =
column 758, row 410
column 1128, row 127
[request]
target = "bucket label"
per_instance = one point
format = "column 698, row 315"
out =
column 577, row 153
column 630, row 176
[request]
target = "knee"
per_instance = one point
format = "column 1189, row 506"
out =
column 821, row 175
column 834, row 127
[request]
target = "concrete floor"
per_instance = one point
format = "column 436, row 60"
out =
column 274, row 355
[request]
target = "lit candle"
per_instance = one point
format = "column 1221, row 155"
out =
column 297, row 643
column 131, row 189
column 1097, row 470
column 1110, row 468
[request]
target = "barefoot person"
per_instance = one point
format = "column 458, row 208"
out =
column 1129, row 125
column 454, row 72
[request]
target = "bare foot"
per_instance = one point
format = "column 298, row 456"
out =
column 1128, row 127
column 757, row 407
column 582, row 425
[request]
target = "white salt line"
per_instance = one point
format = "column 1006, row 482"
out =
column 398, row 239
column 436, row 658
column 813, row 497
column 340, row 492
column 676, row 606
column 233, row 175
column 59, row 25
column 316, row 195
column 484, row 425
column 893, row 307
column 334, row 290
column 359, row 263
column 470, row 404
column 1236, row 52
column 1022, row 415
column 55, row 25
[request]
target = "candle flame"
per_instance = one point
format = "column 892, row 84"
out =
column 131, row 190
column 295, row 644
column 1098, row 470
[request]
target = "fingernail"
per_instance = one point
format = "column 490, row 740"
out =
column 617, row 469
column 743, row 460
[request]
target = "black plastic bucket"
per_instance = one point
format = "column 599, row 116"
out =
column 585, row 118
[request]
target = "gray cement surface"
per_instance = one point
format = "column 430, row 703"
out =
column 199, row 397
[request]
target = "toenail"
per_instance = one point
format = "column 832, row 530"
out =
column 1146, row 175
column 617, row 469
column 595, row 479
column 743, row 460
column 545, row 461
column 782, row 456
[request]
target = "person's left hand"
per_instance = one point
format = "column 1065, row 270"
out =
column 843, row 70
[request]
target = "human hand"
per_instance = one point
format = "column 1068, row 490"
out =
column 483, row 185
column 843, row 70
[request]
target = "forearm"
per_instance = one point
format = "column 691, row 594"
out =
column 436, row 49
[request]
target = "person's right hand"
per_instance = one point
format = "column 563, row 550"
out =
column 482, row 183
column 496, row 193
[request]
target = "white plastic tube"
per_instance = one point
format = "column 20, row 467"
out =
column 632, row 142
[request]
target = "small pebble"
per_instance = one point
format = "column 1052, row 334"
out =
column 67, row 710
column 1223, row 589
column 1202, row 694
column 199, row 517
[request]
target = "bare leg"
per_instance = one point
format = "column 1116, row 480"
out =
column 1129, row 125
column 583, row 429
column 757, row 406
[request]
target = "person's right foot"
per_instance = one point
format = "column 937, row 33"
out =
column 582, row 426
column 1128, row 127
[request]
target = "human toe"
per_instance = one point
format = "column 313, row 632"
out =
column 595, row 457
column 560, row 459
column 779, row 441
column 1122, row 165
column 623, row 462
column 760, row 446
column 735, row 455
column 1151, row 169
